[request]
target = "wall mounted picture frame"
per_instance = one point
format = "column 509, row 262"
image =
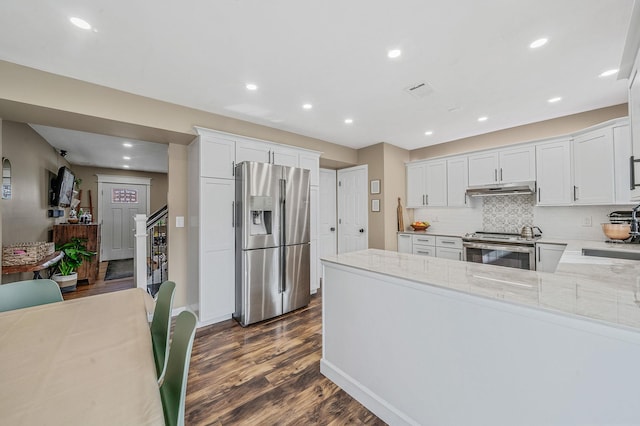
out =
column 375, row 186
column 375, row 205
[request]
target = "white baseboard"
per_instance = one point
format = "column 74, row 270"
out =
column 365, row 396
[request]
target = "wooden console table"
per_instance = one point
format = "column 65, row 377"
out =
column 44, row 263
column 91, row 232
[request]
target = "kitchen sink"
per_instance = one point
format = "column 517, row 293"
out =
column 627, row 255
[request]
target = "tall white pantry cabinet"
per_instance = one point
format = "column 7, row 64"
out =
column 211, row 234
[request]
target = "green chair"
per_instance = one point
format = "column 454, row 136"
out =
column 173, row 389
column 160, row 326
column 22, row 294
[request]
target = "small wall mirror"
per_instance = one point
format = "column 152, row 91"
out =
column 6, row 179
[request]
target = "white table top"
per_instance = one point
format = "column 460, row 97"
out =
column 87, row 361
column 594, row 288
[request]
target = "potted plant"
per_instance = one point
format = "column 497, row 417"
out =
column 75, row 252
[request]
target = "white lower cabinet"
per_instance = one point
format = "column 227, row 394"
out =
column 431, row 245
column 215, row 250
column 449, row 253
column 404, row 243
column 424, row 245
column 449, row 247
column 548, row 256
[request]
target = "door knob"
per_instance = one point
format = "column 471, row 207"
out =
column 332, row 229
column 361, row 230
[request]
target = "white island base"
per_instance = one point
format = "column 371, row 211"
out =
column 420, row 354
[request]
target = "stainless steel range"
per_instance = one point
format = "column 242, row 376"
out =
column 502, row 249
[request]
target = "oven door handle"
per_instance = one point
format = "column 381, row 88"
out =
column 513, row 248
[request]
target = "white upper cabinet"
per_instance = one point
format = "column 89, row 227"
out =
column 250, row 150
column 427, row 184
column 436, row 184
column 310, row 162
column 594, row 167
column 621, row 155
column 457, row 181
column 483, row 168
column 217, row 156
column 247, row 150
column 416, row 185
column 553, row 170
column 504, row 166
column 634, row 115
column 284, row 156
column 517, row 164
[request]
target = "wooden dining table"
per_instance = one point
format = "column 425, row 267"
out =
column 87, row 361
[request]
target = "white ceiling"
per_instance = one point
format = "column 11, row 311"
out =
column 333, row 54
column 90, row 149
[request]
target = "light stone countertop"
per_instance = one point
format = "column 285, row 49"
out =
column 596, row 288
column 435, row 233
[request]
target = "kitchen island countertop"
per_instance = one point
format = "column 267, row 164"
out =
column 596, row 288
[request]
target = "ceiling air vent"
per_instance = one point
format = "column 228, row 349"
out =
column 419, row 90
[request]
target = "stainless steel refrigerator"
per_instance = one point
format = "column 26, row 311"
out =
column 272, row 241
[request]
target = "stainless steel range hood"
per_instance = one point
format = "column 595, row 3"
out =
column 502, row 189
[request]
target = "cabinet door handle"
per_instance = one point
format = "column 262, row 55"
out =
column 632, row 174
column 500, row 173
column 539, row 255
column 495, row 175
column 575, row 192
column 460, row 255
column 448, row 242
column 233, row 168
column 423, row 199
column 427, row 199
column 405, row 236
column 233, row 214
column 539, row 192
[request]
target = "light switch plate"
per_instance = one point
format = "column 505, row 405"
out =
column 179, row 221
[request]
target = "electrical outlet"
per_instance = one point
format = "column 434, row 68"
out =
column 586, row 221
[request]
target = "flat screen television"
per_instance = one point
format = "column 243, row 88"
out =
column 62, row 188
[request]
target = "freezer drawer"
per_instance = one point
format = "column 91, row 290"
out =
column 258, row 296
column 297, row 291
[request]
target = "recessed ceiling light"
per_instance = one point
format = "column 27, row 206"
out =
column 607, row 73
column 126, row 166
column 554, row 100
column 428, row 132
column 80, row 23
column 126, row 158
column 307, row 106
column 538, row 43
column 394, row 53
column 348, row 120
column 482, row 119
column 127, row 144
column 251, row 86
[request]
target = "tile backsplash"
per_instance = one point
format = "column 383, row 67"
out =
column 507, row 213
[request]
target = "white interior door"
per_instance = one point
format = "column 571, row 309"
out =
column 328, row 230
column 353, row 219
column 118, row 203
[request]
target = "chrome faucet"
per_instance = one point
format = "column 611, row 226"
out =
column 635, row 228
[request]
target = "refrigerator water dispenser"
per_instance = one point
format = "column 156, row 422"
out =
column 261, row 215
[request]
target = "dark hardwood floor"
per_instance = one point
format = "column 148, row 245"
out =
column 264, row 374
column 100, row 286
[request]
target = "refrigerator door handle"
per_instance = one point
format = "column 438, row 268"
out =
column 283, row 264
column 233, row 214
